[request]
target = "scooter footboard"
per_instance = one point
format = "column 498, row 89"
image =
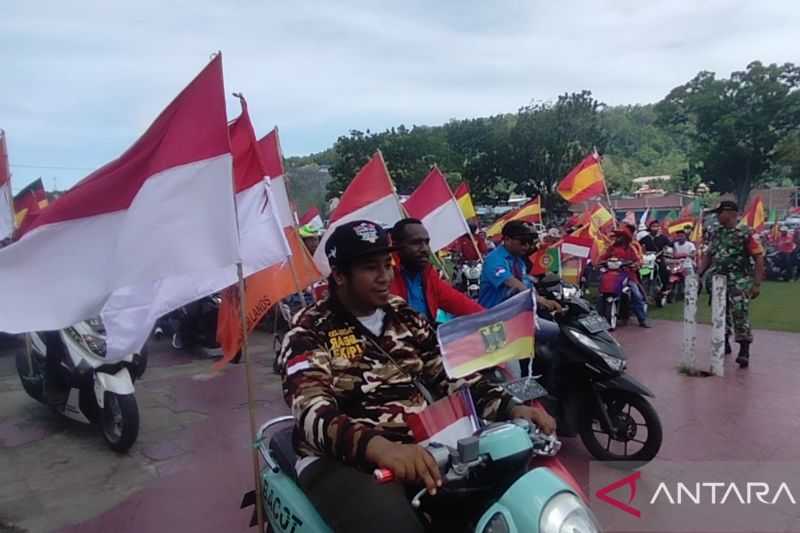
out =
column 287, row 508
column 523, row 503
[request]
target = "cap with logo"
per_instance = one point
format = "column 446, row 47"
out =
column 356, row 240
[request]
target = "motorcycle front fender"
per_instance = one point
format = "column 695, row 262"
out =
column 287, row 508
column 624, row 382
column 522, row 504
column 119, row 383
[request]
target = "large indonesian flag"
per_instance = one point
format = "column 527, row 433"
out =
column 6, row 202
column 503, row 333
column 584, row 181
column 530, row 212
column 433, row 203
column 370, row 196
column 272, row 157
column 133, row 238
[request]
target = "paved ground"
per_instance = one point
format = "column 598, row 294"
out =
column 191, row 464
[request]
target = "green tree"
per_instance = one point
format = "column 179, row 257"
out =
column 735, row 124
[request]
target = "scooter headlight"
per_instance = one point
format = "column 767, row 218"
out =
column 497, row 524
column 565, row 513
column 616, row 364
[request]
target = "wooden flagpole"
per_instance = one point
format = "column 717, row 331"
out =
column 608, row 196
column 469, row 231
column 248, row 370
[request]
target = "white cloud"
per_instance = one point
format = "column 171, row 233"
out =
column 82, row 79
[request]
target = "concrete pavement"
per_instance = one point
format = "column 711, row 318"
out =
column 191, row 464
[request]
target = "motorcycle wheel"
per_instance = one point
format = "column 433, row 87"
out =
column 627, row 427
column 611, row 314
column 31, row 378
column 120, row 421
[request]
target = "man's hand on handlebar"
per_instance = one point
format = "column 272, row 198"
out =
column 548, row 305
column 409, row 462
column 537, row 415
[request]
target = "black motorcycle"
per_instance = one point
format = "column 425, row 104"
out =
column 592, row 395
column 195, row 326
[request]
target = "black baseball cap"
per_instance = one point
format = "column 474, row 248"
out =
column 518, row 228
column 356, row 240
column 725, row 205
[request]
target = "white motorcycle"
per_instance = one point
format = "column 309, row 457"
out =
column 77, row 382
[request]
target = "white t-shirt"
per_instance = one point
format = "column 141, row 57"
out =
column 686, row 249
column 373, row 322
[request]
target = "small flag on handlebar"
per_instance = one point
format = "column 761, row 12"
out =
column 445, row 421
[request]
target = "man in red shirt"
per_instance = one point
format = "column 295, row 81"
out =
column 465, row 247
column 786, row 247
column 623, row 249
column 417, row 282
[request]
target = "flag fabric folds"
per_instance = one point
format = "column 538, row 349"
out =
column 530, row 212
column 583, row 182
column 7, row 223
column 28, row 203
column 464, row 199
column 370, row 196
column 272, row 160
column 311, row 218
column 756, row 215
column 133, row 237
column 500, row 334
column 434, row 204
column 446, row 421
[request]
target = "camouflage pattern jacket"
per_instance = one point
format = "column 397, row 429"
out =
column 343, row 390
column 732, row 251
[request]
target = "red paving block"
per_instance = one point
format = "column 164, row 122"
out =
column 745, row 415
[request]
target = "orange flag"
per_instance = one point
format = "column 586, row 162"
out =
column 584, row 181
column 530, row 212
column 756, row 215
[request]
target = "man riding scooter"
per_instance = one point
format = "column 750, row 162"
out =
column 655, row 242
column 623, row 250
column 356, row 364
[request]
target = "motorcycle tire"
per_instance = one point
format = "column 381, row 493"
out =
column 119, row 420
column 611, row 314
column 601, row 452
column 31, row 378
column 140, row 364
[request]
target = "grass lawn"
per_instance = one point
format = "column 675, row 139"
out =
column 777, row 308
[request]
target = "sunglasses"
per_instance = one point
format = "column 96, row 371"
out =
column 528, row 241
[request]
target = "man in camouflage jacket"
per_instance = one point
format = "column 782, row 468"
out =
column 736, row 253
column 355, row 365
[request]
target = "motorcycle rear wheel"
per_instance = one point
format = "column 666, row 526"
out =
column 120, row 421
column 31, row 378
column 626, row 426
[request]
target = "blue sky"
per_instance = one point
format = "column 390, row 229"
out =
column 81, row 80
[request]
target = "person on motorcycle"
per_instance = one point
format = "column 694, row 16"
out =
column 465, row 246
column 415, row 279
column 655, row 241
column 682, row 247
column 623, row 249
column 786, row 248
column 357, row 363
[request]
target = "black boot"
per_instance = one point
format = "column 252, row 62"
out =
column 728, row 348
column 744, row 354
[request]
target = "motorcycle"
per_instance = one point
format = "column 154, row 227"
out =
column 615, row 290
column 775, row 265
column 651, row 280
column 471, row 278
column 84, row 387
column 197, row 326
column 677, row 268
column 594, row 397
column 488, row 486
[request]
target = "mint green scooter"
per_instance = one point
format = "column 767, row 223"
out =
column 487, row 483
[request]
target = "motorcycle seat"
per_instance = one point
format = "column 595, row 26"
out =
column 282, row 449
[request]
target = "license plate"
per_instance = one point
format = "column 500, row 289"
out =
column 594, row 323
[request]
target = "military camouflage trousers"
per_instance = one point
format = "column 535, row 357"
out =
column 737, row 320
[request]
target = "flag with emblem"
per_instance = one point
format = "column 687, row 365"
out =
column 546, row 260
column 682, row 224
column 446, row 421
column 483, row 340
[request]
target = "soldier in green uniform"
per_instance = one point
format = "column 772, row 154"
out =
column 736, row 253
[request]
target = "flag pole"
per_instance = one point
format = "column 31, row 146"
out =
column 608, row 196
column 469, row 231
column 250, row 398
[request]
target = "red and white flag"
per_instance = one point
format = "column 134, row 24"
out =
column 134, row 237
column 434, row 204
column 446, row 421
column 311, row 218
column 272, row 157
column 576, row 246
column 6, row 199
column 370, row 196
